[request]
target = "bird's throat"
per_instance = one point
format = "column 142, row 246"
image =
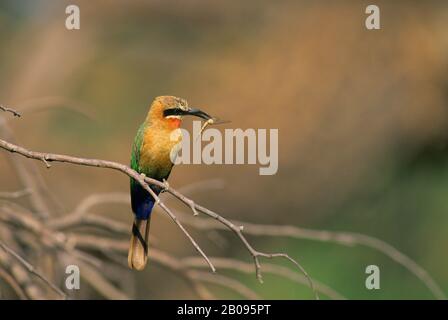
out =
column 174, row 123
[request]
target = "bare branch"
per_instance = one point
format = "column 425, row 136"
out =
column 175, row 265
column 28, row 176
column 339, row 237
column 15, row 194
column 79, row 216
column 225, row 282
column 144, row 182
column 235, row 265
column 31, row 269
column 6, row 109
column 74, row 242
column 53, row 102
column 193, row 277
column 101, row 284
column 16, row 270
column 349, row 239
column 107, row 245
column 210, row 184
column 238, row 230
column 9, row 279
column 95, row 199
column 141, row 179
column 185, row 266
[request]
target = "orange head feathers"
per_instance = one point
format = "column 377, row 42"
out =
column 160, row 135
column 167, row 111
column 156, row 112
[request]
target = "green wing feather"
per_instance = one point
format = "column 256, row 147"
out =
column 135, row 154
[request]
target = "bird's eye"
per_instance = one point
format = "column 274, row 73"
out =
column 172, row 112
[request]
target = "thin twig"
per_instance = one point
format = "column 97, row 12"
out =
column 10, row 110
column 108, row 245
column 239, row 266
column 53, row 102
column 29, row 177
column 101, row 284
column 225, row 282
column 15, row 194
column 20, row 274
column 339, row 237
column 9, row 279
column 184, row 266
column 349, row 239
column 193, row 277
column 238, row 230
column 173, row 264
column 52, row 238
column 31, row 269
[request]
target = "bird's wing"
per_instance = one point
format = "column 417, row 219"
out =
column 136, row 147
column 138, row 194
column 135, row 155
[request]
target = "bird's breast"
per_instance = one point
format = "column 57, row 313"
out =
column 158, row 149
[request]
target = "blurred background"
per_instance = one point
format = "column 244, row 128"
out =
column 362, row 119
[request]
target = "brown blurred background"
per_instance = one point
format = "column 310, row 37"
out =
column 362, row 119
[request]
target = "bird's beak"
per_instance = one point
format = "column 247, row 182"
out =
column 198, row 113
column 187, row 112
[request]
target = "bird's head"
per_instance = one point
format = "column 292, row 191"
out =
column 169, row 110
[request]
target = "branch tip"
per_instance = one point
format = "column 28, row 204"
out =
column 10, row 110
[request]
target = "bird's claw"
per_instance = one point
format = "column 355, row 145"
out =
column 166, row 187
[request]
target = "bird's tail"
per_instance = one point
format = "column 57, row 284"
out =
column 138, row 250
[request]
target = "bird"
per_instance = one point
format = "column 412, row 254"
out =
column 151, row 156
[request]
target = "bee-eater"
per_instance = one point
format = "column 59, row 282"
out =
column 152, row 156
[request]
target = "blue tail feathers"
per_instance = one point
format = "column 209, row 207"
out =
column 142, row 202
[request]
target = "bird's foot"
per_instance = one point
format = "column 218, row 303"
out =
column 166, row 187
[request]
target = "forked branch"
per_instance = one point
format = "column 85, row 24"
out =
column 145, row 182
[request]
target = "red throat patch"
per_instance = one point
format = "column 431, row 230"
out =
column 174, row 122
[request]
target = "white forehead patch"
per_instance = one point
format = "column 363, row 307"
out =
column 183, row 104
